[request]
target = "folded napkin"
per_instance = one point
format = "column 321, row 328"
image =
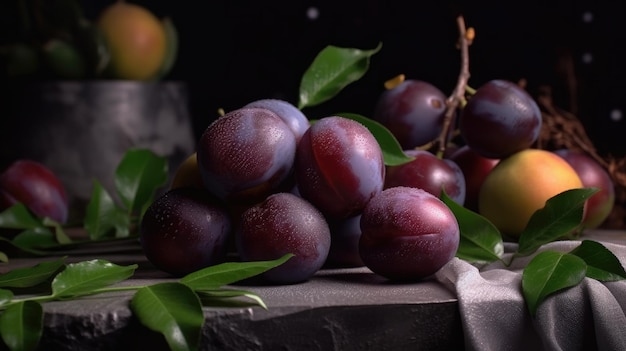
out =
column 589, row 316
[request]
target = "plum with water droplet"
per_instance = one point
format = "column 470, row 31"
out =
column 289, row 113
column 284, row 223
column 428, row 172
column 500, row 119
column 339, row 166
column 407, row 234
column 413, row 111
column 246, row 155
column 184, row 230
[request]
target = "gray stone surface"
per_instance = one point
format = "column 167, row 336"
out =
column 339, row 309
column 344, row 309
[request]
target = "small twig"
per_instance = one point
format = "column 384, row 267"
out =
column 458, row 94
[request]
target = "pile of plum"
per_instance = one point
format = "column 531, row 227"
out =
column 266, row 181
column 274, row 182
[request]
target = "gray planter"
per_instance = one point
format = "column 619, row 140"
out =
column 81, row 130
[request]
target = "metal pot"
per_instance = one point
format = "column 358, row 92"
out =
column 81, row 130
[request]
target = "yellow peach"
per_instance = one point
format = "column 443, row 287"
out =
column 521, row 184
column 136, row 39
column 187, row 174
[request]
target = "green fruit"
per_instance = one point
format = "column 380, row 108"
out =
column 63, row 60
column 91, row 42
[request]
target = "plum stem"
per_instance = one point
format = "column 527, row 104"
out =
column 458, row 94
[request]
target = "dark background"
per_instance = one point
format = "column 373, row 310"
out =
column 233, row 52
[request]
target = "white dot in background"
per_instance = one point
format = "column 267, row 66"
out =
column 312, row 13
column 616, row 115
column 587, row 17
column 587, row 58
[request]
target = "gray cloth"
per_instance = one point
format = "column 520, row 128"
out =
column 589, row 316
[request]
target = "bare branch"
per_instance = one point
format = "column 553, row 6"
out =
column 458, row 94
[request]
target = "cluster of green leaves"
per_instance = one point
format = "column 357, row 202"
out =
column 481, row 242
column 138, row 177
column 171, row 308
column 548, row 271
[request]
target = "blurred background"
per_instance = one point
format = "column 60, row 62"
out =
column 233, row 52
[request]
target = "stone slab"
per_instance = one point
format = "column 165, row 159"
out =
column 338, row 309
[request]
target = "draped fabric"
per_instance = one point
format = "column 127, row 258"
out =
column 589, row 316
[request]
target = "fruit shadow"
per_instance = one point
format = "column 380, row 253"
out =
column 362, row 276
column 352, row 276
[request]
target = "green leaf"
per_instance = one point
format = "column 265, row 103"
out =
column 227, row 298
column 5, row 296
column 561, row 215
column 90, row 39
column 84, row 278
column 332, row 70
column 31, row 276
column 36, row 238
column 8, row 245
column 137, row 177
column 21, row 325
column 3, row 257
column 19, row 216
column 229, row 272
column 549, row 272
column 102, row 215
column 36, row 232
column 601, row 262
column 393, row 154
column 122, row 226
column 480, row 240
column 173, row 310
column 59, row 234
